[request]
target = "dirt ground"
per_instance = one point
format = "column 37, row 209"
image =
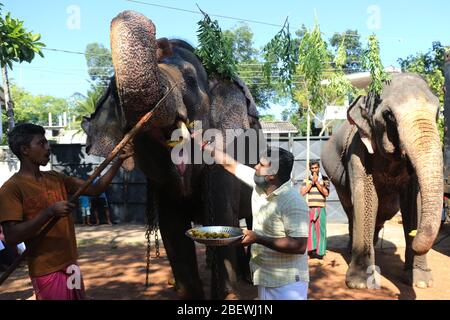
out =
column 112, row 260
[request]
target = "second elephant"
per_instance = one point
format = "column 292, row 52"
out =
column 387, row 157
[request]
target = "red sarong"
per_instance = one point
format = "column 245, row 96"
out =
column 60, row 285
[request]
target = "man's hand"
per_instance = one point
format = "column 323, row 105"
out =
column 2, row 237
column 61, row 209
column 126, row 152
column 315, row 178
column 249, row 237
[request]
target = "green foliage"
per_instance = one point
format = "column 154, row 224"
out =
column 241, row 40
column 214, row 49
column 99, row 63
column 350, row 40
column 85, row 106
column 338, row 87
column 267, row 117
column 248, row 66
column 296, row 116
column 16, row 44
column 281, row 56
column 313, row 60
column 372, row 61
column 430, row 65
column 35, row 108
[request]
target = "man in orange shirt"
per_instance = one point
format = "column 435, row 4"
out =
column 30, row 198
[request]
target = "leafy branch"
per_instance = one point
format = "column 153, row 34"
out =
column 372, row 61
column 214, row 49
column 281, row 57
column 313, row 59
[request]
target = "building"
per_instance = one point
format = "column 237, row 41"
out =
column 280, row 128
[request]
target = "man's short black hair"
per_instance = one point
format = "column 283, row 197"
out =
column 285, row 163
column 313, row 162
column 21, row 135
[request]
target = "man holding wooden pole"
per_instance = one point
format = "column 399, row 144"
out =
column 32, row 198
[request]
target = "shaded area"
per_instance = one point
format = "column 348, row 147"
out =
column 112, row 261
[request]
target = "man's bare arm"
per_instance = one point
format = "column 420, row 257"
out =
column 292, row 245
column 103, row 182
column 16, row 231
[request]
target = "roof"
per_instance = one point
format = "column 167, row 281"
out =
column 278, row 127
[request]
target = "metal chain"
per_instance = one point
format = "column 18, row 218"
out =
column 156, row 241
column 147, row 236
column 214, row 250
column 152, row 227
column 368, row 212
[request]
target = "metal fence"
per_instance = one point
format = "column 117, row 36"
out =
column 297, row 145
column 128, row 191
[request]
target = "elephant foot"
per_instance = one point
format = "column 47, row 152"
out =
column 356, row 279
column 420, row 278
column 187, row 292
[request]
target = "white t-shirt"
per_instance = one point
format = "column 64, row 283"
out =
column 281, row 214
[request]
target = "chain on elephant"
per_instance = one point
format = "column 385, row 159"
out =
column 368, row 219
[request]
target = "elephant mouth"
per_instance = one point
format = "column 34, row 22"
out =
column 174, row 136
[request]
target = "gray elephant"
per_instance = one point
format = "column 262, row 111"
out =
column 388, row 157
column 145, row 68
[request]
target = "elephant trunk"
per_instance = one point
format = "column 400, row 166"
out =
column 420, row 138
column 134, row 56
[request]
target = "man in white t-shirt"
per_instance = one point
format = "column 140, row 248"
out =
column 279, row 237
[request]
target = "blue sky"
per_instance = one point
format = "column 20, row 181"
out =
column 403, row 28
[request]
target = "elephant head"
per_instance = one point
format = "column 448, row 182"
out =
column 401, row 125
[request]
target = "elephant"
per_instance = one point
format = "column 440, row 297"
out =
column 186, row 192
column 387, row 157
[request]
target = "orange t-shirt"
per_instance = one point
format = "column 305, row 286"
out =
column 22, row 199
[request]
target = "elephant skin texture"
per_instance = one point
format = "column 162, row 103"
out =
column 185, row 192
column 387, row 157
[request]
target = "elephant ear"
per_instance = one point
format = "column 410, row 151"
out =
column 359, row 114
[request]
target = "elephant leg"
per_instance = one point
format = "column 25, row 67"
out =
column 417, row 272
column 376, row 234
column 344, row 198
column 180, row 251
column 365, row 202
column 222, row 206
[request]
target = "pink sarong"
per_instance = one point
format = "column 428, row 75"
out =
column 60, row 285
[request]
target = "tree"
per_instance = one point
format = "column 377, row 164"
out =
column 16, row 45
column 372, row 62
column 86, row 106
column 350, row 39
column 430, row 65
column 35, row 108
column 241, row 40
column 249, row 66
column 267, row 117
column 99, row 63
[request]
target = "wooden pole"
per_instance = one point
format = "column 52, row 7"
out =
column 130, row 135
